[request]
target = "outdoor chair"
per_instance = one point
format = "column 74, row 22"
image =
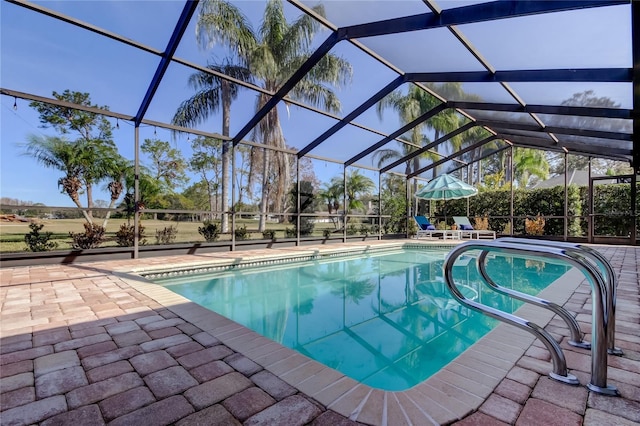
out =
column 467, row 231
column 427, row 229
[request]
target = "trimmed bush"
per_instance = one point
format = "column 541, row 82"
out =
column 269, row 234
column 125, row 237
column 167, row 235
column 210, row 231
column 37, row 241
column 92, row 237
column 242, row 233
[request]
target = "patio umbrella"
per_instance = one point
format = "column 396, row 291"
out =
column 446, row 187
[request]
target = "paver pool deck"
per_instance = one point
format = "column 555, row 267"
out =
column 97, row 343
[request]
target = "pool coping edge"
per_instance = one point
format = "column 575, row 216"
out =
column 447, row 396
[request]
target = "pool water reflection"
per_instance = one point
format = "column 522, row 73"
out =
column 386, row 320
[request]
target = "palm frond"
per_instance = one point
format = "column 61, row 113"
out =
column 221, row 22
column 274, row 29
column 197, row 108
column 317, row 95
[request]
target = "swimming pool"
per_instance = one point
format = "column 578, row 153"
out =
column 383, row 319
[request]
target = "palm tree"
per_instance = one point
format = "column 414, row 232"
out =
column 331, row 194
column 273, row 54
column 84, row 164
column 529, row 162
column 409, row 107
column 357, row 185
column 471, row 136
column 214, row 93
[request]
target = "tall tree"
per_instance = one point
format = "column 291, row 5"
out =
column 273, row 53
column 206, row 163
column 215, row 93
column 92, row 157
column 167, row 167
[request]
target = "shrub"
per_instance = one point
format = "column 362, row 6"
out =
column 307, row 205
column 326, row 233
column 481, row 223
column 507, row 229
column 37, row 241
column 125, row 237
column 290, row 233
column 269, row 234
column 241, row 233
column 92, row 237
column 441, row 225
column 364, row 230
column 352, row 230
column 167, row 235
column 209, row 231
column 534, row 226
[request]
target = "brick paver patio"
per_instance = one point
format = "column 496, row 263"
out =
column 84, row 344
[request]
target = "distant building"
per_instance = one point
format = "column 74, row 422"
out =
column 575, row 177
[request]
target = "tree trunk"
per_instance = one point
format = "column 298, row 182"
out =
column 89, row 213
column 284, row 166
column 211, row 200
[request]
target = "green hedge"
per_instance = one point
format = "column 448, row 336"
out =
column 612, row 200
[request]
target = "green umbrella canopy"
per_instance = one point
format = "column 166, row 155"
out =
column 446, row 187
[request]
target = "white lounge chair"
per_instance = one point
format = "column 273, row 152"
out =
column 467, row 231
column 428, row 230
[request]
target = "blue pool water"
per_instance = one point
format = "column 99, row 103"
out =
column 386, row 320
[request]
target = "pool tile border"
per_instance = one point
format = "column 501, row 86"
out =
column 451, row 394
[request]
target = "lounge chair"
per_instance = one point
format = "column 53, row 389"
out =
column 427, row 229
column 467, row 231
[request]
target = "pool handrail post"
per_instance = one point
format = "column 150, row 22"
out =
column 598, row 381
column 607, row 272
column 574, row 328
column 559, row 372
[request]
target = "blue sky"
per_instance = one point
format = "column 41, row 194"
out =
column 40, row 55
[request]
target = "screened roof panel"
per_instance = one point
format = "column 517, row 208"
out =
column 476, row 92
column 435, row 50
column 563, row 93
column 346, row 13
column 176, row 89
column 114, row 74
column 346, row 143
column 301, row 126
column 386, row 155
column 513, row 117
column 599, row 142
column 450, row 4
column 588, row 123
column 588, row 38
column 503, row 131
column 270, row 77
column 363, row 78
column 129, row 19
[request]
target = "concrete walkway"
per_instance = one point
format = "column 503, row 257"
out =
column 93, row 343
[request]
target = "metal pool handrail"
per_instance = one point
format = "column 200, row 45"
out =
column 604, row 268
column 598, row 381
column 572, row 324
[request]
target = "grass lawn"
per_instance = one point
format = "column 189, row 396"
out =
column 12, row 233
